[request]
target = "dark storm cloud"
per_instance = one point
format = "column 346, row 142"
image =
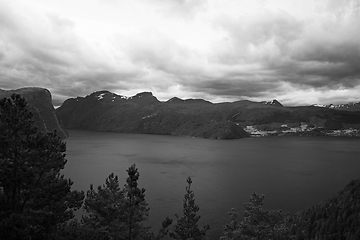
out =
column 236, row 88
column 324, row 65
column 190, row 48
column 326, row 56
column 336, row 63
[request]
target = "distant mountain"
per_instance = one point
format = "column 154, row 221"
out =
column 144, row 113
column 39, row 101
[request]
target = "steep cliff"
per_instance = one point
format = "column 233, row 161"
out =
column 39, row 102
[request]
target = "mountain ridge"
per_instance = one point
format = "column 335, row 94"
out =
column 351, row 106
column 144, row 113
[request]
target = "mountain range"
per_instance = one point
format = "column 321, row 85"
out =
column 144, row 113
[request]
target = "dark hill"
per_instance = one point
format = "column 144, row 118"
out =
column 39, row 101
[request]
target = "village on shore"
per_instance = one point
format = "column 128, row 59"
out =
column 302, row 130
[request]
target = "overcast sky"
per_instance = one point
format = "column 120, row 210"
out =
column 296, row 51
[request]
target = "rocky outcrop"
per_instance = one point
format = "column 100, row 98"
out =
column 39, row 102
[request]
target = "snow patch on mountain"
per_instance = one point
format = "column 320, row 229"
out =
column 101, row 96
column 273, row 103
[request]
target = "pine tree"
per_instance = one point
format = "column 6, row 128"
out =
column 186, row 226
column 115, row 212
column 232, row 230
column 34, row 197
column 105, row 211
column 258, row 223
column 136, row 207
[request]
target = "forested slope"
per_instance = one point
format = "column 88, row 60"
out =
column 336, row 218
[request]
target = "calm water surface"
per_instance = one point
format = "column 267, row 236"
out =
column 293, row 172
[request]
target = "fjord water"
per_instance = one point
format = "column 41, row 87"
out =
column 293, row 172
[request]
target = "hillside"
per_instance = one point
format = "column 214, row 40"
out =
column 39, row 101
column 336, row 218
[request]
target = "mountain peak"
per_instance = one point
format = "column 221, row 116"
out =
column 142, row 95
column 98, row 93
column 106, row 95
column 273, row 103
column 175, row 100
column 144, row 98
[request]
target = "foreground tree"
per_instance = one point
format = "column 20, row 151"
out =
column 258, row 223
column 118, row 213
column 34, row 198
column 105, row 210
column 186, row 226
column 136, row 207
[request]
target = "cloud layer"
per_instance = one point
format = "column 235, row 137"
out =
column 300, row 53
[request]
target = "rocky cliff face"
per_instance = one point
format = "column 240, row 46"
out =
column 39, row 102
